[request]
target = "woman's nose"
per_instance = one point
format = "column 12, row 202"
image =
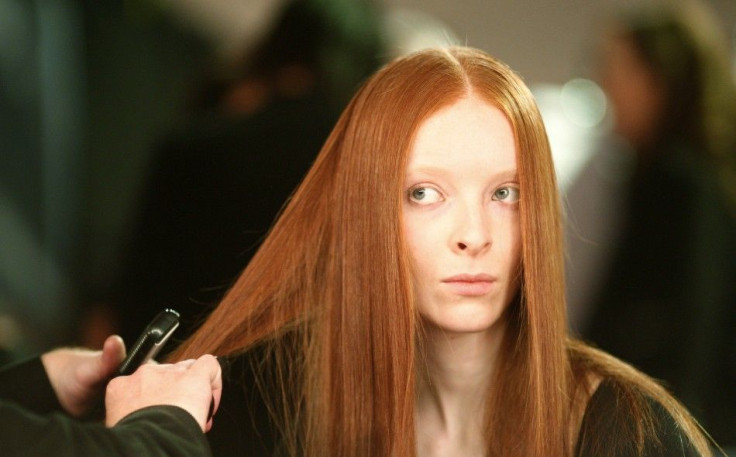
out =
column 473, row 232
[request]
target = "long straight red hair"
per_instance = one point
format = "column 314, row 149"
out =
column 329, row 291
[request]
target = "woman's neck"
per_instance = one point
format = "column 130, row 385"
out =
column 455, row 377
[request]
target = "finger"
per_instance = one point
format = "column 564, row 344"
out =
column 216, row 397
column 208, row 365
column 100, row 366
column 216, row 384
column 217, row 387
column 113, row 353
column 215, row 377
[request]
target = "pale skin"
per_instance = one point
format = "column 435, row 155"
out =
column 461, row 223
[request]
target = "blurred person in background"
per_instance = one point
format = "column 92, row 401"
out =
column 216, row 184
column 668, row 302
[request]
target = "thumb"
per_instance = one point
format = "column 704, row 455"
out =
column 103, row 366
column 113, row 353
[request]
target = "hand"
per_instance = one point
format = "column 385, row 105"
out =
column 190, row 384
column 79, row 375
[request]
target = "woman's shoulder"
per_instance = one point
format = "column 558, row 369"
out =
column 622, row 419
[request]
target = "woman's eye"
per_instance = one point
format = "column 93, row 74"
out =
column 424, row 195
column 507, row 194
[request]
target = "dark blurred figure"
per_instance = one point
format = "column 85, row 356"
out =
column 668, row 304
column 218, row 182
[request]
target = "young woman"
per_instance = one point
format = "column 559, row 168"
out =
column 409, row 299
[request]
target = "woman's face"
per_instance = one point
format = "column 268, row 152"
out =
column 461, row 217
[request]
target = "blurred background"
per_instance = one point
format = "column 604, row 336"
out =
column 146, row 146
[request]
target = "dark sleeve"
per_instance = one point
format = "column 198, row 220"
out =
column 159, row 431
column 608, row 429
column 26, row 384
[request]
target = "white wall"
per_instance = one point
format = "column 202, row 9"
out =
column 544, row 40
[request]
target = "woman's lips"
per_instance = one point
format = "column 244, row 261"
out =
column 470, row 285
